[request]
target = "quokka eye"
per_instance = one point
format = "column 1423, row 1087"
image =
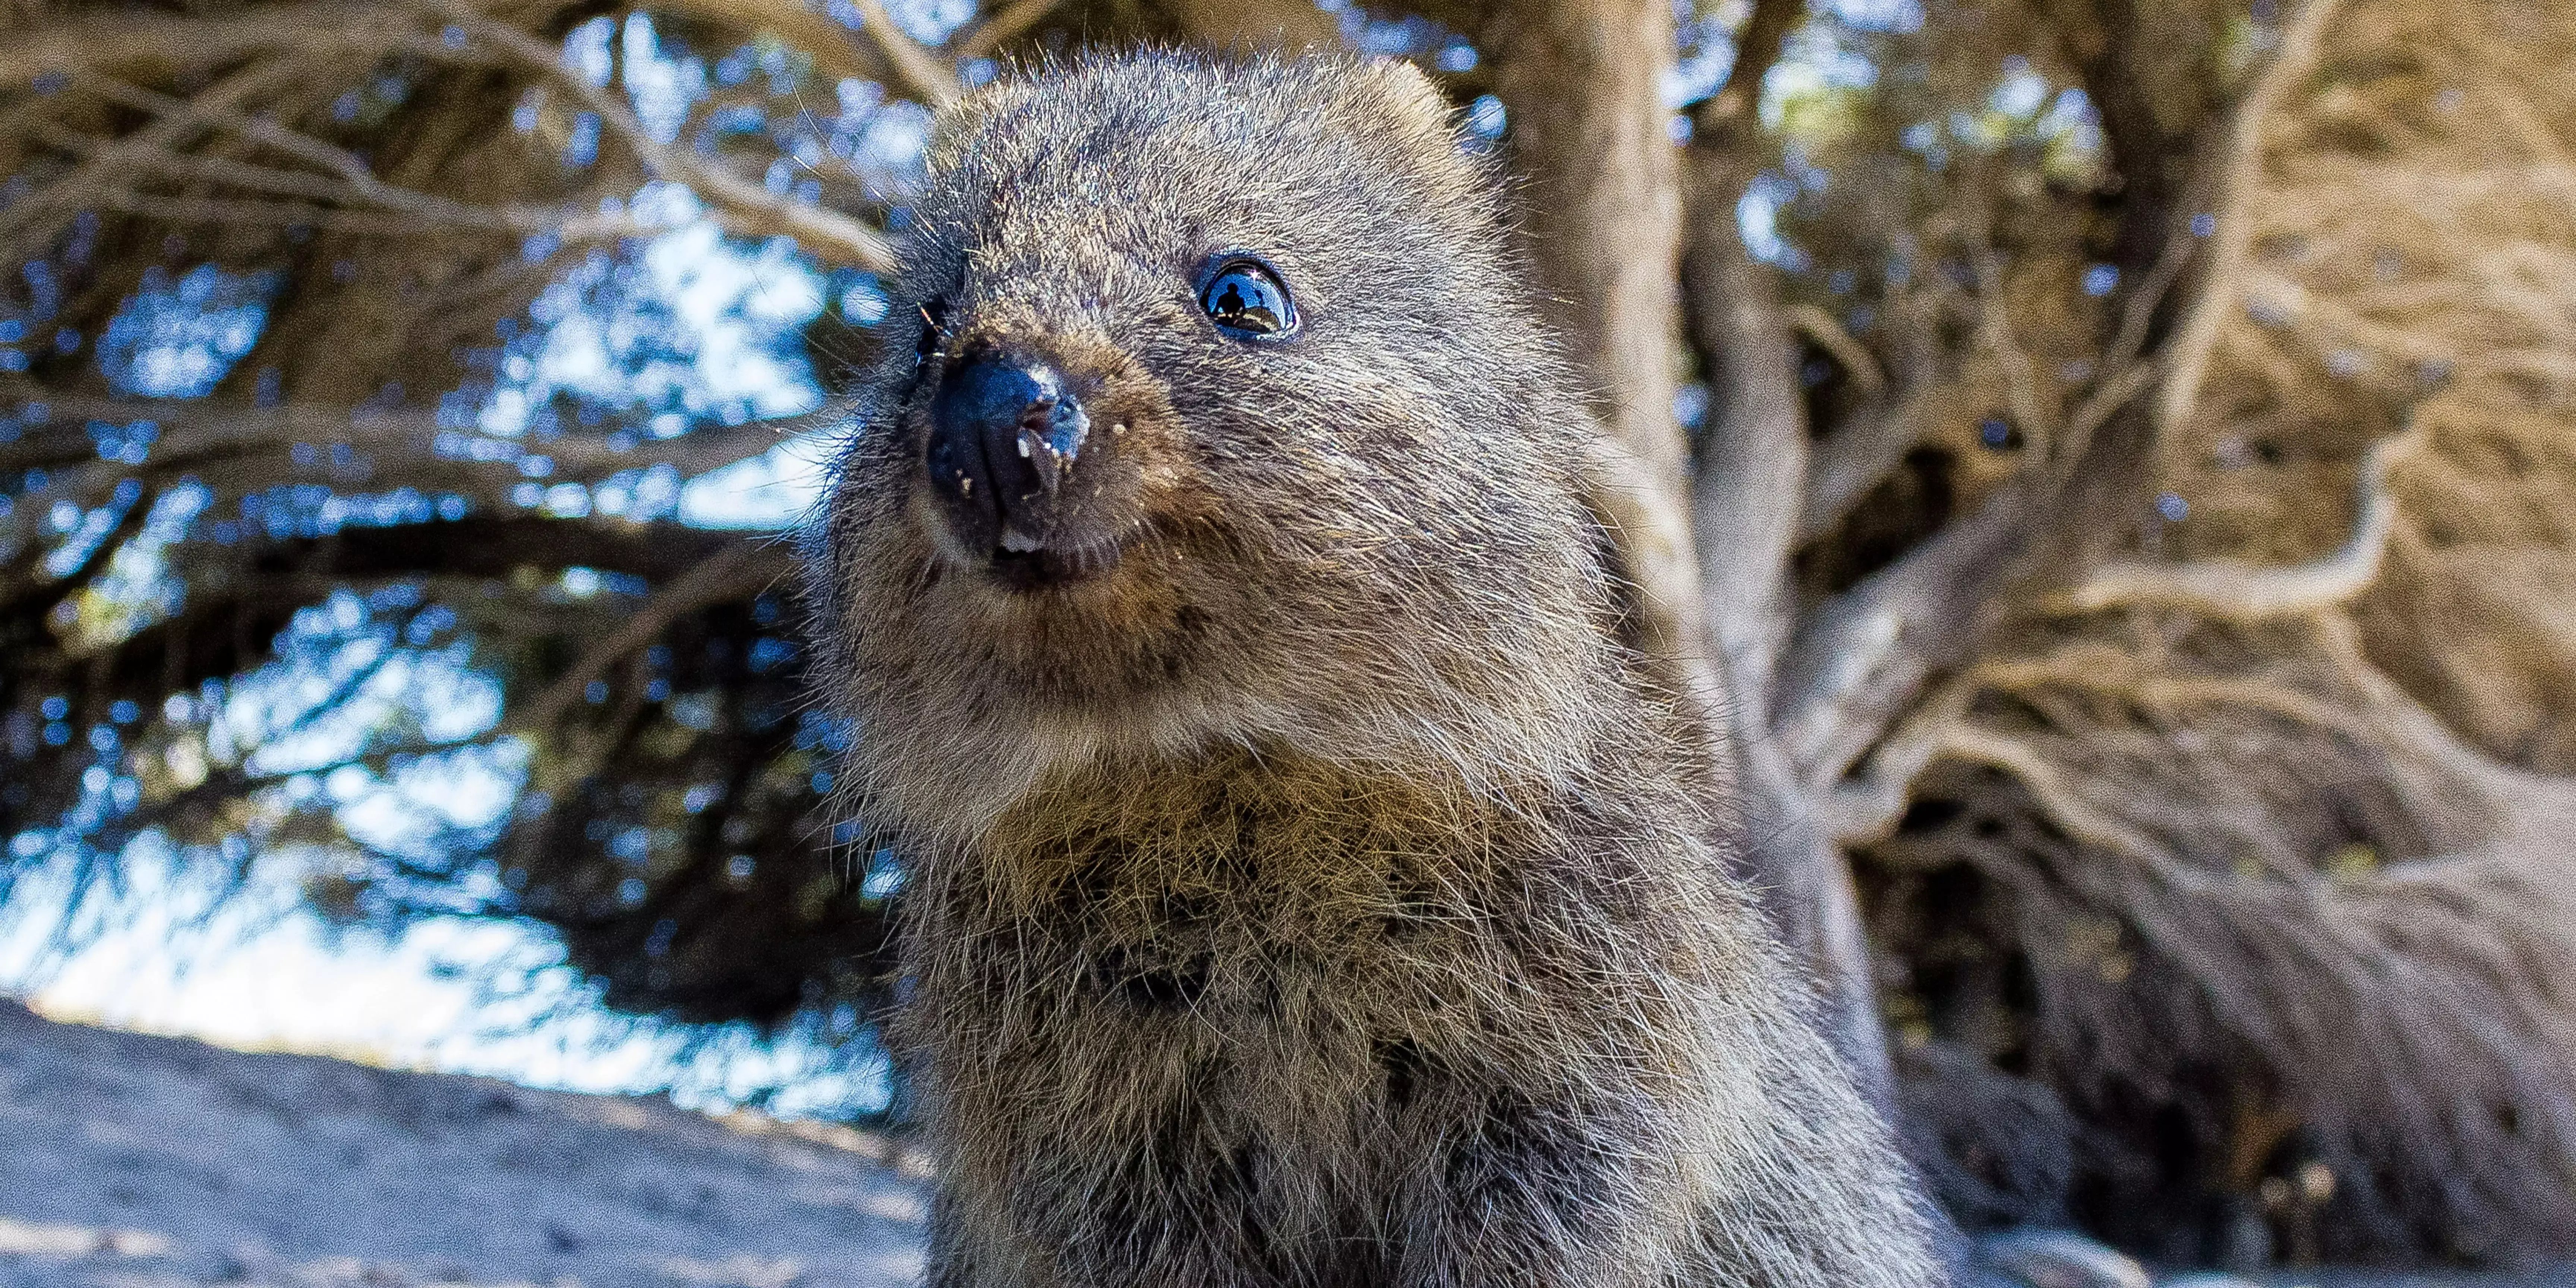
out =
column 934, row 327
column 1245, row 298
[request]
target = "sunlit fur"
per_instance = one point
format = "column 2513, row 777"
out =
column 1323, row 895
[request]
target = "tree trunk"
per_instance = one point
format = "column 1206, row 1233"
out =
column 1581, row 82
column 1745, row 497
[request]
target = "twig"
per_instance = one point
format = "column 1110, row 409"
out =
column 2106, row 401
column 162, row 39
column 1857, row 455
column 215, row 438
column 2233, row 238
column 709, row 582
column 1003, row 27
column 1853, row 356
column 2240, row 591
column 357, row 178
column 34, row 219
column 920, row 71
column 823, row 230
column 572, row 226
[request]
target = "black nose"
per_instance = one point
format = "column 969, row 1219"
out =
column 1005, row 435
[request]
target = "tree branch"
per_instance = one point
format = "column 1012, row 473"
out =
column 1825, row 333
column 828, row 233
column 1860, row 452
column 2235, row 182
column 1753, row 462
column 1861, row 657
column 35, row 219
column 1583, row 83
column 219, row 440
column 352, row 179
column 1003, row 26
column 921, row 71
column 2239, row 591
column 156, row 40
column 736, row 573
column 1758, row 47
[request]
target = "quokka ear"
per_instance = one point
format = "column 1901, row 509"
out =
column 1399, row 93
column 1407, row 89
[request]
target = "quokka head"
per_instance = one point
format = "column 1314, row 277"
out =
column 1217, row 411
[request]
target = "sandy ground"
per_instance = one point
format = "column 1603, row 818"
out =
column 128, row 1160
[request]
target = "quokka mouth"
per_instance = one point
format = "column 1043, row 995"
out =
column 1028, row 566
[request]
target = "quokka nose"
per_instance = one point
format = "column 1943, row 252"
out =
column 1005, row 436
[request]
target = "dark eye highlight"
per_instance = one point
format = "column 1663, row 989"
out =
column 1245, row 298
column 934, row 327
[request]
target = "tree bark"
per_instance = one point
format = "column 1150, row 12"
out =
column 1581, row 82
column 1744, row 511
column 1288, row 25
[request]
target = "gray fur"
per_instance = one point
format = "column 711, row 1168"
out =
column 1325, row 896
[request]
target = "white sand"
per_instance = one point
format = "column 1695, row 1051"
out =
column 130, row 1160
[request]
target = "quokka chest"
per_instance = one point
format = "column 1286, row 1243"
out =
column 1314, row 973
column 1239, row 955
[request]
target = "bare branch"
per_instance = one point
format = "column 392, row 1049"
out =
column 1825, row 333
column 2236, row 179
column 1862, row 810
column 919, row 69
column 1861, row 451
column 1757, row 49
column 155, row 40
column 1745, row 495
column 1003, row 26
column 2108, row 399
column 2057, row 798
column 739, row 572
column 837, row 51
column 1859, row 658
column 356, row 179
column 404, row 212
column 826, row 232
column 573, row 226
column 1745, row 517
column 2141, row 151
column 36, row 218
column 1753, row 462
column 218, row 439
column 2240, row 591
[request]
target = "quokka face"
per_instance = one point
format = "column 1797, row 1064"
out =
column 1226, row 418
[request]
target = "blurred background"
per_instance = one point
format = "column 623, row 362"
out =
column 2118, row 456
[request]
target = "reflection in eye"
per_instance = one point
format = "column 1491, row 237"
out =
column 1245, row 298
